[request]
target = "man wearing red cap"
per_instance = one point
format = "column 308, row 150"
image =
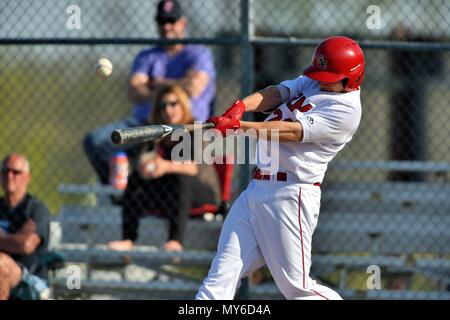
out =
column 272, row 222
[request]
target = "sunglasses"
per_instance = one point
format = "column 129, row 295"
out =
column 163, row 105
column 16, row 172
column 162, row 21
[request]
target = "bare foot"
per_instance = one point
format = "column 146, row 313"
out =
column 121, row 245
column 173, row 245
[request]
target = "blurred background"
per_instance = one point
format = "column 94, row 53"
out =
column 385, row 199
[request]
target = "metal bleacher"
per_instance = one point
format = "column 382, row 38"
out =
column 401, row 227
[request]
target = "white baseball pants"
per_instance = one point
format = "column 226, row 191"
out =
column 271, row 223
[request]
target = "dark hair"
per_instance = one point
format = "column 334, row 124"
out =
column 182, row 96
column 344, row 82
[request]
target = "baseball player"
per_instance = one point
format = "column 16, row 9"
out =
column 273, row 220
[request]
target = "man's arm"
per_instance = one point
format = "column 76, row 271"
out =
column 141, row 87
column 25, row 241
column 194, row 82
column 284, row 130
column 263, row 100
column 138, row 88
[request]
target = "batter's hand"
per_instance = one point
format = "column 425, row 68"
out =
column 224, row 123
column 235, row 111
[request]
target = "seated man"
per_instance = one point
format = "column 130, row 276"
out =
column 190, row 66
column 24, row 233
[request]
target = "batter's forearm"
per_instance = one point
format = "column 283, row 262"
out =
column 263, row 100
column 275, row 130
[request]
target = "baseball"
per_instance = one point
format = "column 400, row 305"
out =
column 104, row 68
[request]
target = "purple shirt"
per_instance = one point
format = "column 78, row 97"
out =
column 155, row 62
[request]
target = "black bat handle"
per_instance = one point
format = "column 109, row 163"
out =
column 196, row 126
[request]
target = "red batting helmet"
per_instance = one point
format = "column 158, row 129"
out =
column 337, row 58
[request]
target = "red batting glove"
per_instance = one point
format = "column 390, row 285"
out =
column 235, row 111
column 224, row 123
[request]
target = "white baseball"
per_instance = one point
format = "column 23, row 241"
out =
column 104, row 68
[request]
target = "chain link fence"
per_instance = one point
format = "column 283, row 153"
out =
column 384, row 225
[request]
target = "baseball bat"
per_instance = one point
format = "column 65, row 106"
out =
column 152, row 132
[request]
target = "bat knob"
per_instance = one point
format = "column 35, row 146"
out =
column 116, row 137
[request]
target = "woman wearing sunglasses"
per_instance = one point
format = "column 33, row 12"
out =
column 163, row 186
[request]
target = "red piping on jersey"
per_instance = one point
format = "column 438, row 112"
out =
column 320, row 295
column 301, row 233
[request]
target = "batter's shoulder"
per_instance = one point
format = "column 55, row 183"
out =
column 349, row 99
column 306, row 84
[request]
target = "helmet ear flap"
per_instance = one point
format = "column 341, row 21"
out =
column 355, row 79
column 361, row 76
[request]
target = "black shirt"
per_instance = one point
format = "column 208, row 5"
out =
column 12, row 220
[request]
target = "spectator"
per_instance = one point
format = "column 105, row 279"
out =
column 163, row 185
column 24, row 231
column 190, row 66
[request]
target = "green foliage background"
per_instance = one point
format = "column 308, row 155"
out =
column 50, row 98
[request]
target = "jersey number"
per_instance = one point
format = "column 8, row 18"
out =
column 292, row 105
column 298, row 104
column 278, row 115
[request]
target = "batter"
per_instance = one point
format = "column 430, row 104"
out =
column 273, row 220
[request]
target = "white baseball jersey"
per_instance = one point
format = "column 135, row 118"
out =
column 329, row 121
